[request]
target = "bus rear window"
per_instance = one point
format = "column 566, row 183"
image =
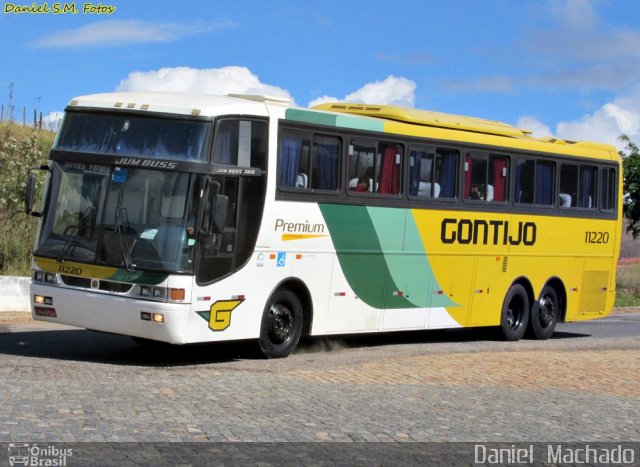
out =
column 134, row 135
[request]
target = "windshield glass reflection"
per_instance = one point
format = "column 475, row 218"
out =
column 123, row 217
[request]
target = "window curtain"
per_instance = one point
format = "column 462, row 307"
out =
column 499, row 180
column 586, row 181
column 390, row 182
column 414, row 172
column 518, row 185
column 224, row 147
column 447, row 176
column 544, row 184
column 289, row 161
column 327, row 166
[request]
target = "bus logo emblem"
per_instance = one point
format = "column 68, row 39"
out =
column 219, row 314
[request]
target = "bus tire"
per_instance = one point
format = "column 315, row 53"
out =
column 544, row 314
column 515, row 313
column 281, row 325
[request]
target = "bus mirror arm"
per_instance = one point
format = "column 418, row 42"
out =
column 29, row 198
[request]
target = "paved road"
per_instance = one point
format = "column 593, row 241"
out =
column 67, row 385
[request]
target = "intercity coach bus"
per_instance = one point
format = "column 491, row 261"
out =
column 189, row 218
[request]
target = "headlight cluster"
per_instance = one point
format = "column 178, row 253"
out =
column 161, row 293
column 45, row 277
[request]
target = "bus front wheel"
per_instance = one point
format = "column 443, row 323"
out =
column 515, row 313
column 281, row 325
column 544, row 314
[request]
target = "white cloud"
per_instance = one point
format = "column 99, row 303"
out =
column 226, row 80
column 52, row 120
column 605, row 125
column 125, row 32
column 538, row 129
column 323, row 99
column 391, row 91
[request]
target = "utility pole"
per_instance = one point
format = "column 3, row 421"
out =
column 10, row 106
column 36, row 102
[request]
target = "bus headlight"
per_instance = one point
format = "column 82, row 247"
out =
column 45, row 277
column 161, row 294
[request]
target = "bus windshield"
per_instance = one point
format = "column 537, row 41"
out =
column 122, row 217
column 134, row 135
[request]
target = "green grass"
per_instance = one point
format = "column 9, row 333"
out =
column 20, row 148
column 628, row 285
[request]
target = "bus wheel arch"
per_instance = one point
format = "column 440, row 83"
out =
column 514, row 316
column 283, row 319
column 547, row 310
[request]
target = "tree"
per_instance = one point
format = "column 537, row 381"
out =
column 631, row 180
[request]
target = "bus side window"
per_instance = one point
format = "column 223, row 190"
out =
column 361, row 167
column 475, row 176
column 607, row 189
column 446, row 173
column 390, row 168
column 421, row 174
column 534, row 182
column 293, row 160
column 587, row 186
column 241, row 142
column 568, row 186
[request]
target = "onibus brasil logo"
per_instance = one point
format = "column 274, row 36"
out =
column 34, row 455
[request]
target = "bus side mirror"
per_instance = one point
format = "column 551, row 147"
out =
column 220, row 209
column 216, row 209
column 30, row 194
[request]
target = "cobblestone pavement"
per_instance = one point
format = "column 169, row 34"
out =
column 60, row 384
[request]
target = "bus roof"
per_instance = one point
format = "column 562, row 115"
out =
column 427, row 118
column 486, row 130
column 393, row 119
column 206, row 105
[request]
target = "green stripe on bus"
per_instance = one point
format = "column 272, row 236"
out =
column 380, row 252
column 406, row 259
column 342, row 121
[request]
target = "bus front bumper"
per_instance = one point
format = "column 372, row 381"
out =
column 166, row 322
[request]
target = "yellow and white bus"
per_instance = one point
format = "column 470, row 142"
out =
column 190, row 218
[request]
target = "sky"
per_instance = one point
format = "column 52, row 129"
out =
column 563, row 68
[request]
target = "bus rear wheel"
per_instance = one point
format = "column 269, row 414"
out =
column 281, row 325
column 515, row 313
column 544, row 314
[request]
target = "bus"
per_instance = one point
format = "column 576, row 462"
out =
column 189, row 218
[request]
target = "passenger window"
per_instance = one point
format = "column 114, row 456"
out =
column 362, row 172
column 587, row 188
column 432, row 175
column 325, row 160
column 534, row 182
column 306, row 166
column 375, row 169
column 421, row 174
column 568, row 186
column 446, row 172
column 293, row 160
column 608, row 189
column 485, row 177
